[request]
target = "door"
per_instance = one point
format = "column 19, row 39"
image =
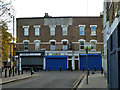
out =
column 76, row 64
column 69, row 64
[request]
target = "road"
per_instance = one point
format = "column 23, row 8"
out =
column 52, row 79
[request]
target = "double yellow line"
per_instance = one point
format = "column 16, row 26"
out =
column 75, row 84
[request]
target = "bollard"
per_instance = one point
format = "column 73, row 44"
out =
column 13, row 70
column 88, row 71
column 18, row 71
column 71, row 68
column 83, row 69
column 5, row 72
column 60, row 68
column 1, row 72
column 102, row 70
column 9, row 72
column 22, row 71
column 49, row 69
column 2, row 69
column 32, row 71
column 95, row 68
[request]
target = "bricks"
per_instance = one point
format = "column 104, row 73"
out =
column 73, row 32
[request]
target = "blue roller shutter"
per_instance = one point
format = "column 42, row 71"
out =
column 93, row 60
column 55, row 62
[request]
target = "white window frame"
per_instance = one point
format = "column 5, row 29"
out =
column 27, row 31
column 81, row 45
column 95, row 30
column 94, row 45
column 82, row 30
column 65, row 40
column 24, row 44
column 64, row 30
column 37, row 26
column 52, row 30
column 35, row 45
column 52, row 45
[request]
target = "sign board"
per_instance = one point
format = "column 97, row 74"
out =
column 30, row 54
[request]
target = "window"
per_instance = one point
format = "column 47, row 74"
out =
column 93, row 44
column 93, row 29
column 52, row 46
column 26, row 44
column 64, row 29
column 26, row 30
column 37, row 30
column 82, row 29
column 37, row 45
column 52, row 30
column 65, row 45
column 82, row 43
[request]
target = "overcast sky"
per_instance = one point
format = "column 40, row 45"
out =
column 37, row 8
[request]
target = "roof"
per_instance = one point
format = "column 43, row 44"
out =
column 60, row 17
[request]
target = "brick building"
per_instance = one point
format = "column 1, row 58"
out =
column 60, row 36
column 111, row 31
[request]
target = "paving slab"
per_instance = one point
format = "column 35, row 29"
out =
column 94, row 81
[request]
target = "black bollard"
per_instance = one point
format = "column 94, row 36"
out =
column 1, row 72
column 49, row 69
column 18, row 71
column 13, row 70
column 9, row 72
column 2, row 69
column 102, row 70
column 5, row 72
column 22, row 71
column 95, row 68
column 88, row 71
column 83, row 68
column 32, row 71
column 60, row 68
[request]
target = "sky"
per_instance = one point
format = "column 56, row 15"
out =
column 37, row 8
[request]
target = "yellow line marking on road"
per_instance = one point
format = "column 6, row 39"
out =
column 77, row 81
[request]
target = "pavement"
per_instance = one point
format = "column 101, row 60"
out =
column 94, row 81
column 17, row 78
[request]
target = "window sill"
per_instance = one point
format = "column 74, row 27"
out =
column 94, row 35
column 82, row 35
column 26, row 36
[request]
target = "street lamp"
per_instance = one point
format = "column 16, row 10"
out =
column 87, row 48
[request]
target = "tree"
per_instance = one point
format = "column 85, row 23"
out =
column 6, row 38
column 6, row 10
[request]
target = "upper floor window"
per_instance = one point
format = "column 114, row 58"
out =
column 93, row 29
column 82, row 29
column 37, row 45
column 26, row 30
column 26, row 44
column 82, row 44
column 64, row 29
column 93, row 44
column 37, row 30
column 52, row 30
column 65, row 44
column 52, row 44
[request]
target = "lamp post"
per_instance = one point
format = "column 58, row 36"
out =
column 13, row 43
column 87, row 48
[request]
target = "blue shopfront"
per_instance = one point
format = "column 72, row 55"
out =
column 56, row 62
column 94, row 60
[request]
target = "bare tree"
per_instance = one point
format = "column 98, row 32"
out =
column 6, row 10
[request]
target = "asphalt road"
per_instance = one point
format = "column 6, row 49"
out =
column 52, row 79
